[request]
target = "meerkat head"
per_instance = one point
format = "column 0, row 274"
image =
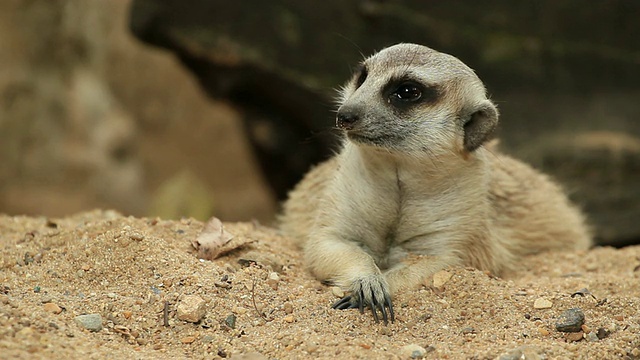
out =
column 411, row 98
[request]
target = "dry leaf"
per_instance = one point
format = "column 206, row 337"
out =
column 215, row 241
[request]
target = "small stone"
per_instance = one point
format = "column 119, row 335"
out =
column 136, row 236
column 337, row 292
column 91, row 322
column 247, row 356
column 619, row 317
column 288, row 308
column 543, row 331
column 207, row 339
column 273, row 280
column 4, row 299
column 188, row 339
column 191, row 308
column 542, row 303
column 52, row 308
column 440, row 278
column 570, row 321
column 289, row 319
column 523, row 352
column 591, row 337
column 230, row 321
column 574, row 336
column 412, row 351
column 602, row 333
column 274, row 276
column 127, row 314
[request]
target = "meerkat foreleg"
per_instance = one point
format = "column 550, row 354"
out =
column 415, row 270
column 349, row 266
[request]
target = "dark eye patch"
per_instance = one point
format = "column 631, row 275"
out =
column 405, row 91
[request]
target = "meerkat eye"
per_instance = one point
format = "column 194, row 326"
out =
column 408, row 92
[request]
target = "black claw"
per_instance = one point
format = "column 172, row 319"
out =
column 384, row 313
column 375, row 314
column 385, row 306
column 344, row 303
column 387, row 300
column 374, row 307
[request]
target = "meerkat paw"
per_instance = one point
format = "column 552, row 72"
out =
column 370, row 291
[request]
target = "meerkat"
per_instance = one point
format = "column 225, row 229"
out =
column 418, row 187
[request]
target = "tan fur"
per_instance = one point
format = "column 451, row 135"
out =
column 384, row 216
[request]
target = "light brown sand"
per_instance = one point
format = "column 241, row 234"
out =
column 125, row 269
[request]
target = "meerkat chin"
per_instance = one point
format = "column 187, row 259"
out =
column 417, row 188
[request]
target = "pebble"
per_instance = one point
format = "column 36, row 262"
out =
column 440, row 278
column 249, row 356
column 4, row 299
column 188, row 339
column 91, row 322
column 591, row 337
column 412, row 351
column 574, row 336
column 337, row 292
column 542, row 303
column 602, row 333
column 273, row 280
column 288, row 308
column 207, row 339
column 289, row 319
column 524, row 352
column 191, row 308
column 52, row 308
column 230, row 321
column 570, row 321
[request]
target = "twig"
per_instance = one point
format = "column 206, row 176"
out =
column 253, row 300
column 166, row 313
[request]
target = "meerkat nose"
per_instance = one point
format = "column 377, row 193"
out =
column 346, row 119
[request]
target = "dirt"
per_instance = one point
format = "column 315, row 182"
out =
column 261, row 303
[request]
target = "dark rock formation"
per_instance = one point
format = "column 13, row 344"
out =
column 559, row 70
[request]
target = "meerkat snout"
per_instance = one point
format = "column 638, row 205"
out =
column 347, row 118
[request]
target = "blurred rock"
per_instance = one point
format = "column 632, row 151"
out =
column 91, row 118
column 601, row 171
column 65, row 141
column 184, row 194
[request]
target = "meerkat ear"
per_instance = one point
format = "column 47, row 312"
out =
column 480, row 125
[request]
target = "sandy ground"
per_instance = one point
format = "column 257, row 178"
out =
column 261, row 303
